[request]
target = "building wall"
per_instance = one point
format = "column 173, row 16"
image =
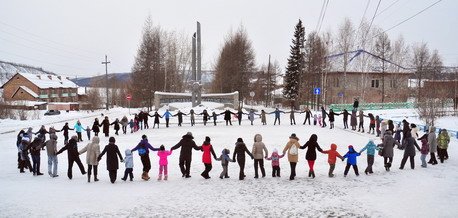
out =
column 23, row 95
column 367, row 87
column 13, row 84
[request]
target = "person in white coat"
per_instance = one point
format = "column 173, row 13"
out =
column 93, row 151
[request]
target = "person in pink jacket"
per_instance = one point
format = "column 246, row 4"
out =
column 163, row 154
column 275, row 158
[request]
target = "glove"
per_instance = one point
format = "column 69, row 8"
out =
column 98, row 159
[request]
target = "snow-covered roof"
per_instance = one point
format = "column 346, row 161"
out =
column 189, row 94
column 32, row 93
column 45, row 81
column 81, row 90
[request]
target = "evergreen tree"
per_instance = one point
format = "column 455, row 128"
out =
column 295, row 65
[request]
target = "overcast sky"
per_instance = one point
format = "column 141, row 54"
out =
column 72, row 37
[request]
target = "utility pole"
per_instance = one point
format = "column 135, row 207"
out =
column 106, row 62
column 269, row 80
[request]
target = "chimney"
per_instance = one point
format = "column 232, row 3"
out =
column 39, row 76
column 50, row 77
column 59, row 77
column 68, row 78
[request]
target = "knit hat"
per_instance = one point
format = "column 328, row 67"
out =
column 112, row 140
column 189, row 133
column 143, row 136
column 239, row 140
column 293, row 136
column 207, row 139
column 275, row 150
column 350, row 146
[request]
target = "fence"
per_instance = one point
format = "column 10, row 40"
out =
column 373, row 106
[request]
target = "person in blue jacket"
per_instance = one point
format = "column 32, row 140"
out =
column 79, row 129
column 370, row 147
column 143, row 151
column 277, row 115
column 351, row 156
column 167, row 116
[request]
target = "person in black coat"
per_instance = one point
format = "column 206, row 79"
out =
column 180, row 117
column 95, row 127
column 409, row 145
column 345, row 118
column 141, row 116
column 205, row 116
column 310, row 156
column 112, row 151
column 65, row 129
column 20, row 163
column 239, row 151
column 331, row 118
column 156, row 119
column 187, row 144
column 308, row 114
column 323, row 116
column 405, row 129
column 239, row 116
column 73, row 156
column 355, row 104
column 145, row 120
column 42, row 133
column 227, row 116
column 106, row 126
column 116, row 126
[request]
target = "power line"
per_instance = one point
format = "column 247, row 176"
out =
column 375, row 13
column 409, row 18
column 385, row 9
column 321, row 14
column 37, row 36
column 324, row 14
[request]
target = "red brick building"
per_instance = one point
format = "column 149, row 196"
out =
column 36, row 87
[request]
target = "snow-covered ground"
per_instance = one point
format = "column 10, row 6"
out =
column 430, row 192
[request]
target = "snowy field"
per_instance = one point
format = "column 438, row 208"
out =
column 430, row 192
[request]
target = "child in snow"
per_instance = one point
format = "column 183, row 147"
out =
column 319, row 120
column 225, row 159
column 207, row 150
column 314, row 119
column 88, row 132
column 397, row 134
column 424, row 152
column 351, row 156
column 131, row 125
column 163, row 154
column 129, row 161
column 332, row 156
column 370, row 147
column 275, row 158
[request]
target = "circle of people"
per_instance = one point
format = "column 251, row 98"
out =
column 430, row 144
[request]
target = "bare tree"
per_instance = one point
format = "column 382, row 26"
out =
column 94, row 99
column 383, row 50
column 420, row 61
column 345, row 43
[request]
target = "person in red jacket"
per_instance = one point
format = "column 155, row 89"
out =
column 332, row 156
column 206, row 157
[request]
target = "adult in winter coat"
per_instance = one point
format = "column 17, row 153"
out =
column 156, row 119
column 332, row 157
column 361, row 121
column 345, row 118
column 259, row 152
column 20, row 163
column 292, row 118
column 92, row 152
column 79, row 129
column 331, row 118
column 370, row 147
column 390, row 125
column 65, row 129
column 383, row 128
column 355, row 104
column 124, row 122
column 96, row 127
column 215, row 117
column 442, row 145
column 112, row 152
column 207, row 150
column 251, row 116
column 351, row 156
column 143, row 148
column 35, row 148
column 263, row 117
column 116, row 126
column 310, row 156
column 140, row 119
column 292, row 148
column 239, row 151
column 387, row 149
column 51, row 148
column 353, row 120
column 205, row 116
column 239, row 116
column 378, row 121
column 42, row 133
column 323, row 116
column 277, row 113
column 180, row 117
column 73, row 156
column 409, row 145
column 106, row 126
column 193, row 119
column 432, row 140
column 227, row 116
column 405, row 129
column 167, row 116
column 308, row 114
column 144, row 118
column 186, row 144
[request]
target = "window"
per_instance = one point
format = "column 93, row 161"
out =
column 336, row 82
column 375, row 83
column 393, row 83
column 43, row 92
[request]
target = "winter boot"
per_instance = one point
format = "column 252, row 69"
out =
column 313, row 174
column 310, row 173
column 159, row 178
column 88, row 177
column 147, row 176
column 166, row 177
